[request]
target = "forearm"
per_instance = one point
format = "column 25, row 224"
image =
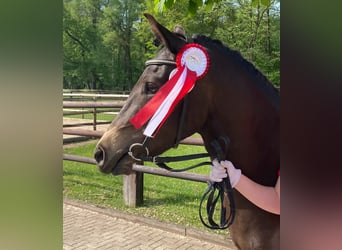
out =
column 268, row 198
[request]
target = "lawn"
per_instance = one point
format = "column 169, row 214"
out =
column 99, row 116
column 165, row 199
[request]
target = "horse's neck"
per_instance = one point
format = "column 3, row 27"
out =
column 240, row 80
column 250, row 119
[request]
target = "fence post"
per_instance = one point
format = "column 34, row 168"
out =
column 133, row 187
column 82, row 99
column 94, row 115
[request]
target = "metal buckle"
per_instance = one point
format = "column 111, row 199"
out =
column 130, row 152
column 155, row 159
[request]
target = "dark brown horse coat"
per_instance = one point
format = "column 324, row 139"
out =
column 235, row 100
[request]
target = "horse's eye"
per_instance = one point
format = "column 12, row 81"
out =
column 156, row 42
column 151, row 88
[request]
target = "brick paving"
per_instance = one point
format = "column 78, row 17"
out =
column 89, row 227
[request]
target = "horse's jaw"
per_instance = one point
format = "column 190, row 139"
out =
column 111, row 152
column 121, row 166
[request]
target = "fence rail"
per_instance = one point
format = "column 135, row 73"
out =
column 96, row 91
column 94, row 95
column 98, row 134
column 145, row 169
column 96, row 107
column 90, row 104
column 133, row 183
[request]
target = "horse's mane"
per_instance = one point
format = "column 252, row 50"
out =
column 234, row 55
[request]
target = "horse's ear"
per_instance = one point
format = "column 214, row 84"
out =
column 179, row 31
column 172, row 41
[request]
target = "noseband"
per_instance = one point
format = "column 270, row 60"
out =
column 159, row 62
column 224, row 188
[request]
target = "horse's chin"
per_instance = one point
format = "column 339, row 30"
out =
column 119, row 167
column 124, row 166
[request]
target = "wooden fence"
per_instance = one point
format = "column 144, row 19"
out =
column 76, row 102
column 133, row 183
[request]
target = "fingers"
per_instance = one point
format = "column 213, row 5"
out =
column 227, row 164
column 217, row 172
column 215, row 179
column 216, row 163
column 234, row 174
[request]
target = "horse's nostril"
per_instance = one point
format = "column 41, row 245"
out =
column 99, row 156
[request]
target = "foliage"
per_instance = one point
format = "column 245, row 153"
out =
column 194, row 5
column 97, row 40
column 106, row 42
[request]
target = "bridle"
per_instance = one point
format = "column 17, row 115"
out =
column 224, row 188
column 159, row 62
column 158, row 160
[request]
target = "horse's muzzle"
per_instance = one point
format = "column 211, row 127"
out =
column 99, row 156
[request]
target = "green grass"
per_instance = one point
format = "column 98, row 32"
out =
column 99, row 116
column 166, row 199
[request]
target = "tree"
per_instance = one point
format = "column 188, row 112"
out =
column 106, row 42
column 81, row 41
column 194, row 5
column 120, row 16
column 249, row 26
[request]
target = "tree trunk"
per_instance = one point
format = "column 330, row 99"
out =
column 94, row 79
column 128, row 66
column 268, row 34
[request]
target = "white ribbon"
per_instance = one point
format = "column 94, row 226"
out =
column 164, row 108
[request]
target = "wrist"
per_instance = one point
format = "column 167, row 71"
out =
column 234, row 179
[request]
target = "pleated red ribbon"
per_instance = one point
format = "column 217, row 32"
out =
column 161, row 105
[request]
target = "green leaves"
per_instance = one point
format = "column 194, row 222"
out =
column 106, row 42
column 194, row 5
column 161, row 5
column 266, row 3
column 169, row 3
column 209, row 4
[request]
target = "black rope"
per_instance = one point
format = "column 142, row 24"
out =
column 216, row 191
column 163, row 165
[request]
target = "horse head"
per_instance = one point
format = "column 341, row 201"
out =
column 111, row 152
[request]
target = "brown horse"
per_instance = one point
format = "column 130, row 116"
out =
column 234, row 100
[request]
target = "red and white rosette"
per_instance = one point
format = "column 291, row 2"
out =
column 195, row 58
column 192, row 64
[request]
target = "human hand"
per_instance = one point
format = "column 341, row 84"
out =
column 218, row 172
column 234, row 173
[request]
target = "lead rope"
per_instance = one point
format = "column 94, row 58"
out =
column 224, row 190
column 161, row 161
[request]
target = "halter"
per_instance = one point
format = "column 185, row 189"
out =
column 224, row 188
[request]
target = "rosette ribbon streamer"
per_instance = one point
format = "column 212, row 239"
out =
column 192, row 64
